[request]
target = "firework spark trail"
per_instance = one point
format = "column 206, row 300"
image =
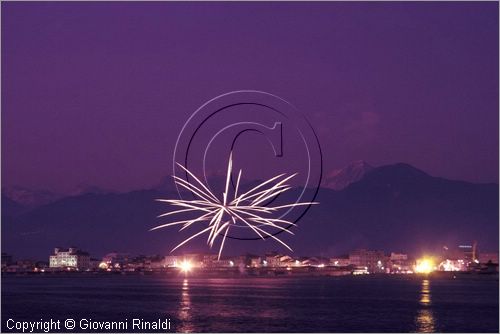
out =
column 247, row 208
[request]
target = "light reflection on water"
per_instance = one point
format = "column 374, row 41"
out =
column 247, row 304
column 184, row 316
column 425, row 318
column 425, row 293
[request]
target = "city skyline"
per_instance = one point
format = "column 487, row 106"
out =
column 436, row 251
column 450, row 260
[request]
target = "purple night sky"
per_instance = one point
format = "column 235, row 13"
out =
column 96, row 93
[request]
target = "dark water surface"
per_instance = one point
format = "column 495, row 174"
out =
column 306, row 304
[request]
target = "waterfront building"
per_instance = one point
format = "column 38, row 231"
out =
column 154, row 263
column 136, row 263
column 271, row 260
column 173, row 261
column 286, row 261
column 20, row 266
column 71, row 258
column 13, row 268
column 360, row 270
column 464, row 252
column 452, row 265
column 310, row 261
column 374, row 260
column 114, row 260
column 209, row 260
column 41, row 266
column 170, row 261
column 255, row 261
column 467, row 252
column 223, row 263
column 399, row 264
column 94, row 263
column 398, row 257
column 25, row 265
column 340, row 261
column 195, row 259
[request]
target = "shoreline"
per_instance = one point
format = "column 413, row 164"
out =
column 249, row 274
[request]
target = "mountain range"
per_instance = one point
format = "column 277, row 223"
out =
column 394, row 208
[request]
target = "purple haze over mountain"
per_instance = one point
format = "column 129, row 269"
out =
column 393, row 208
column 96, row 93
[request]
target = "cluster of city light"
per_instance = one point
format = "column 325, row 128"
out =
column 248, row 208
column 449, row 265
column 425, row 265
column 186, row 266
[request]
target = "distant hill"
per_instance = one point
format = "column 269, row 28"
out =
column 29, row 198
column 395, row 207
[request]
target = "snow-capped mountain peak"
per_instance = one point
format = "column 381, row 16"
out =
column 339, row 179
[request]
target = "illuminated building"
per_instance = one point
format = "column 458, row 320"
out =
column 223, row 262
column 360, row 270
column 286, row 261
column 170, row 261
column 399, row 264
column 464, row 252
column 211, row 261
column 194, row 260
column 375, row 261
column 272, row 260
column 462, row 258
column 452, row 265
column 69, row 258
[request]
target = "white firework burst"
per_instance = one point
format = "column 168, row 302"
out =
column 218, row 215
